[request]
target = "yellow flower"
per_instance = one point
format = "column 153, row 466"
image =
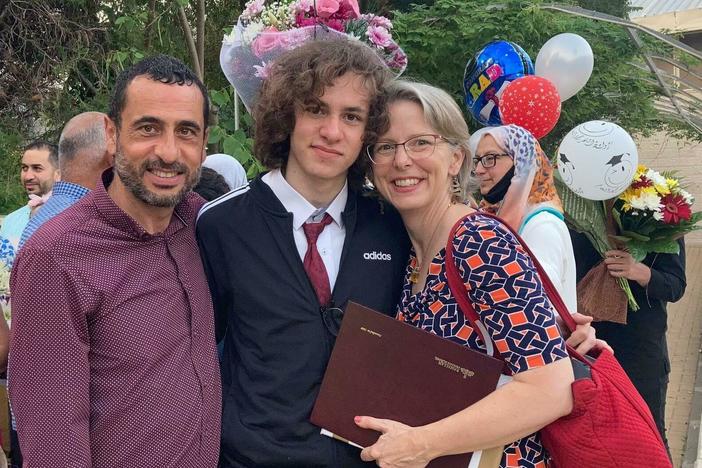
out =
column 626, row 197
column 663, row 189
column 647, row 191
column 672, row 183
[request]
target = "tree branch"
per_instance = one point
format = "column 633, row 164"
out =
column 149, row 36
column 190, row 41
column 201, row 36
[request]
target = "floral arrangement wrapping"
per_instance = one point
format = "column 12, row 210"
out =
column 266, row 29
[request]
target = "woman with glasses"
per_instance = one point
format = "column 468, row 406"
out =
column 516, row 183
column 420, row 166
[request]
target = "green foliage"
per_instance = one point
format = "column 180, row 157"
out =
column 224, row 135
column 12, row 195
column 66, row 55
column 440, row 39
column 59, row 58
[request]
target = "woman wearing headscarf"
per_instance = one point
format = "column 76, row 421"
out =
column 516, row 182
column 229, row 168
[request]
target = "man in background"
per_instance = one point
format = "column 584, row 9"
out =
column 38, row 174
column 83, row 155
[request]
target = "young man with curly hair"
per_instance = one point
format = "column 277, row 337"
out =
column 286, row 253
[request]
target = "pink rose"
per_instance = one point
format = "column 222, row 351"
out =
column 335, row 24
column 326, row 8
column 381, row 21
column 302, row 6
column 399, row 61
column 379, row 36
column 254, row 7
column 349, row 9
column 301, row 21
column 266, row 41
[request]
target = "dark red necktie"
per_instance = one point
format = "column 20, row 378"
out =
column 314, row 266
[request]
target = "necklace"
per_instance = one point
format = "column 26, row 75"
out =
column 414, row 273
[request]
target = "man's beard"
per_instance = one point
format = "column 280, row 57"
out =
column 132, row 178
column 41, row 188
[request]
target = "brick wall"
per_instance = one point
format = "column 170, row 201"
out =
column 663, row 153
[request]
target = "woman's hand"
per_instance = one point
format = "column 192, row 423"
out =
column 398, row 446
column 583, row 338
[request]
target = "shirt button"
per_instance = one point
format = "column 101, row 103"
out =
column 324, row 251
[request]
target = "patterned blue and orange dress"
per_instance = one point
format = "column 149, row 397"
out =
column 506, row 292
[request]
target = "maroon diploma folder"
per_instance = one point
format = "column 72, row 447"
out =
column 384, row 368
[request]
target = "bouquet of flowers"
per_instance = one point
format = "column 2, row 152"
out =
column 653, row 213
column 267, row 28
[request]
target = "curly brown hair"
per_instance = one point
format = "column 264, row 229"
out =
column 299, row 78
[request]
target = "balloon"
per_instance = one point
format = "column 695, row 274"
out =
column 597, row 160
column 487, row 75
column 531, row 102
column 566, row 60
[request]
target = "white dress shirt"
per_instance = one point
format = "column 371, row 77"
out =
column 331, row 241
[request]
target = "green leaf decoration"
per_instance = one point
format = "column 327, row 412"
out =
column 588, row 217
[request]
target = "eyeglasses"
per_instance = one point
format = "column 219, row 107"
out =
column 488, row 160
column 418, row 147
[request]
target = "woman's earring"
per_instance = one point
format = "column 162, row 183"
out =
column 455, row 186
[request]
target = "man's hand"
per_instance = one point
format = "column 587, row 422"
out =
column 621, row 264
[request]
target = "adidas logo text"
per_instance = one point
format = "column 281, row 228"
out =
column 377, row 256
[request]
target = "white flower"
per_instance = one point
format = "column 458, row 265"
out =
column 656, row 178
column 646, row 201
column 658, row 215
column 687, row 196
column 251, row 31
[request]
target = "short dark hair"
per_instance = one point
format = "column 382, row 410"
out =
column 211, row 185
column 46, row 146
column 299, row 78
column 163, row 68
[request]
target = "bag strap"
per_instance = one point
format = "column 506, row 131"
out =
column 460, row 293
column 543, row 209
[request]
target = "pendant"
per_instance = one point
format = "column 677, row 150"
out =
column 414, row 275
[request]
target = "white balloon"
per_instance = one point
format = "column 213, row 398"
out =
column 566, row 60
column 597, row 160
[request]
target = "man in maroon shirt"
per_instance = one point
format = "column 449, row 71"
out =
column 113, row 358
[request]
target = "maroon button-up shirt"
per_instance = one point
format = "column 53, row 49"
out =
column 113, row 360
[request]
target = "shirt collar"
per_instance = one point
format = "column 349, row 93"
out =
column 184, row 211
column 67, row 188
column 301, row 209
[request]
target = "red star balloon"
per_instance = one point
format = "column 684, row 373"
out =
column 531, row 102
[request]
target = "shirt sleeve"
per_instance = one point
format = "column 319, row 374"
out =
column 49, row 371
column 507, row 293
column 668, row 281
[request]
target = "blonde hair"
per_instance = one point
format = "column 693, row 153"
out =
column 443, row 115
